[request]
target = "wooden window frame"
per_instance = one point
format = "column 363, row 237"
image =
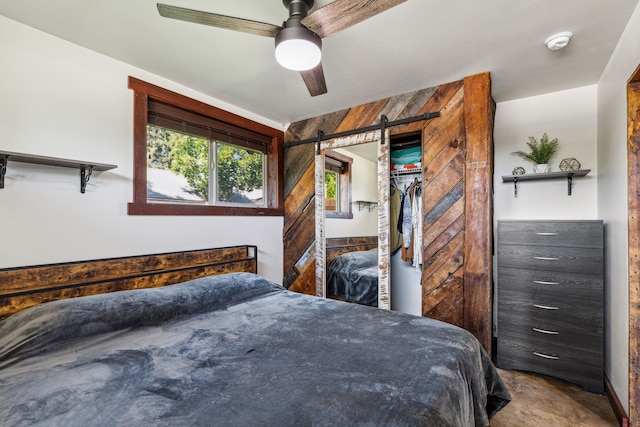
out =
column 274, row 184
column 344, row 184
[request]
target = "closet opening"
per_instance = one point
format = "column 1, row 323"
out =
column 405, row 227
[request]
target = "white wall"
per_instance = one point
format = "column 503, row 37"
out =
column 570, row 116
column 612, row 201
column 61, row 100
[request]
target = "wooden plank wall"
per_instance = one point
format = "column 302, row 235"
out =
column 24, row 287
column 457, row 169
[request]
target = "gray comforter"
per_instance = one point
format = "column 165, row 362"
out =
column 238, row 350
column 353, row 276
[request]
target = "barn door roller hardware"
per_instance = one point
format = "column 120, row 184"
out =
column 382, row 126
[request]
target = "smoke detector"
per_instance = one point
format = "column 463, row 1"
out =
column 558, row 41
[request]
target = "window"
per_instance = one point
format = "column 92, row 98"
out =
column 337, row 185
column 194, row 159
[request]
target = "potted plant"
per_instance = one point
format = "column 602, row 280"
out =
column 541, row 152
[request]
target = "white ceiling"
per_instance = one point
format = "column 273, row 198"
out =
column 418, row 44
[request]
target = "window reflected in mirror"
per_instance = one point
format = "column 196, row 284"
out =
column 331, row 190
column 337, row 185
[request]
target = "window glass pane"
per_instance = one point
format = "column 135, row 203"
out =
column 331, row 190
column 240, row 175
column 177, row 166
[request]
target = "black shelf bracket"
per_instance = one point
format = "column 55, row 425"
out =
column 569, row 183
column 3, row 169
column 85, row 175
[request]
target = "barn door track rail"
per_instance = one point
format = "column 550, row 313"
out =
column 382, row 126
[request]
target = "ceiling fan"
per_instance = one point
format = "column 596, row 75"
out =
column 298, row 40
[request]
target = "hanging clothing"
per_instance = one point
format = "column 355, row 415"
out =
column 407, row 223
column 395, row 236
column 416, row 221
column 406, row 218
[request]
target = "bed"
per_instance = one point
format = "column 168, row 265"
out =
column 235, row 349
column 353, row 277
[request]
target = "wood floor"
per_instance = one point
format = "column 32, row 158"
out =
column 542, row 401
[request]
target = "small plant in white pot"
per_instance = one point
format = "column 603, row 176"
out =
column 541, row 152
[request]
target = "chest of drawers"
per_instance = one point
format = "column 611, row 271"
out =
column 550, row 299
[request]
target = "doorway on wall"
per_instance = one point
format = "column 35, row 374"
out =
column 633, row 164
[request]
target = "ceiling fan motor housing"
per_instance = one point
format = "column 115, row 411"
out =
column 298, row 7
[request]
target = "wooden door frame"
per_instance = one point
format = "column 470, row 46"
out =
column 633, row 166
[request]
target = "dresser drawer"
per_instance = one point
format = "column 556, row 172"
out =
column 581, row 234
column 568, row 316
column 551, row 284
column 563, row 345
column 584, row 368
column 551, row 258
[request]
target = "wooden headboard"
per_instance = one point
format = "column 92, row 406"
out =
column 23, row 287
column 339, row 245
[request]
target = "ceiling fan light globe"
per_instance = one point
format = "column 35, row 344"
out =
column 298, row 49
column 298, row 55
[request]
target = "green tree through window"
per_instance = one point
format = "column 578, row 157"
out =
column 239, row 170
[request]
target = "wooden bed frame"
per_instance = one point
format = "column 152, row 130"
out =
column 340, row 245
column 23, row 287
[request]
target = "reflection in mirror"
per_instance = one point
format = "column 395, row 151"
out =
column 338, row 168
column 357, row 182
column 352, row 264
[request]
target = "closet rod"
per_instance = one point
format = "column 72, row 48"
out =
column 383, row 125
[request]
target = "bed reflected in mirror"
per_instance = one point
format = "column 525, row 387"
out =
column 351, row 223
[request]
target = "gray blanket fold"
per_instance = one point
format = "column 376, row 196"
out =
column 238, row 350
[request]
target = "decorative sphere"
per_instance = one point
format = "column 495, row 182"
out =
column 518, row 171
column 569, row 164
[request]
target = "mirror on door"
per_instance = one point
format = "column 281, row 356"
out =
column 351, row 223
column 365, row 252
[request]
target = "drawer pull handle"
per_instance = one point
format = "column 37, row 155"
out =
column 546, row 356
column 546, row 234
column 545, row 307
column 546, row 258
column 541, row 282
column 544, row 331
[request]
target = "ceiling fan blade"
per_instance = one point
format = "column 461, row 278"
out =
column 314, row 79
column 342, row 14
column 220, row 21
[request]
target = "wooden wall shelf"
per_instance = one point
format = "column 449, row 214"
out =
column 365, row 204
column 569, row 175
column 86, row 168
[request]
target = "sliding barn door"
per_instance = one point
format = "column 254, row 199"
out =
column 457, row 233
